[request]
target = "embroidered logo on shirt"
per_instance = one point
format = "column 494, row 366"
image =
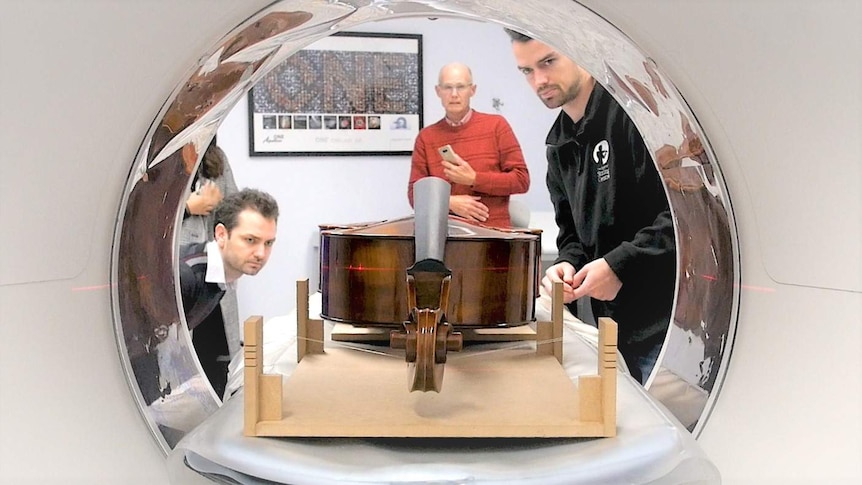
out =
column 601, row 155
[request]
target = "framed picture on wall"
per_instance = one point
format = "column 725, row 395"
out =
column 347, row 94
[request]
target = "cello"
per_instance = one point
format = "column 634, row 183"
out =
column 372, row 275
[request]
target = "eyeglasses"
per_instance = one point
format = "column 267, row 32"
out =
column 448, row 88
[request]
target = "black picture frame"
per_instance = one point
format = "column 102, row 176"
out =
column 352, row 93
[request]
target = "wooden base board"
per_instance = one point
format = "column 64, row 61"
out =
column 509, row 393
column 343, row 332
column 503, row 393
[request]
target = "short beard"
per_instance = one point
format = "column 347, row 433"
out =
column 563, row 99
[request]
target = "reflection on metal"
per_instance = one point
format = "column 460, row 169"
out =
column 163, row 372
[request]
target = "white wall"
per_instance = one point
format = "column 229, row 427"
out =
column 316, row 190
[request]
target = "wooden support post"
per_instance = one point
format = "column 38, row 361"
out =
column 607, row 367
column 549, row 335
column 597, row 395
column 253, row 338
column 262, row 392
column 309, row 332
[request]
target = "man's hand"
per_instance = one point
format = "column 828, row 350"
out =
column 596, row 280
column 459, row 171
column 468, row 207
column 203, row 201
column 560, row 272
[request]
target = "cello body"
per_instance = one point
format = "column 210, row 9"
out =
column 494, row 281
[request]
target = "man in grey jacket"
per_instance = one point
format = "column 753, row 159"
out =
column 244, row 231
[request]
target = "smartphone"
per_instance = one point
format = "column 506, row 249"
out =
column 447, row 153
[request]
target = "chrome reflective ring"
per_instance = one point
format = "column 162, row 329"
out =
column 173, row 394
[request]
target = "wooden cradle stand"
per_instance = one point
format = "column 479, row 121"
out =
column 503, row 393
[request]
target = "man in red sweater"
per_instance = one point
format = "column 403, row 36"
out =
column 487, row 165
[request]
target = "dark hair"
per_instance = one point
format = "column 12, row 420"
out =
column 213, row 162
column 227, row 211
column 517, row 36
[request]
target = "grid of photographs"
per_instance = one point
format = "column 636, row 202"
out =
column 356, row 82
column 322, row 122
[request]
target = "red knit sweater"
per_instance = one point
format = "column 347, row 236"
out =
column 488, row 144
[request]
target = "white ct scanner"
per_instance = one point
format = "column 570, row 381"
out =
column 771, row 89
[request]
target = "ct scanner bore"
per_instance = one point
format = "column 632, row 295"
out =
column 171, row 390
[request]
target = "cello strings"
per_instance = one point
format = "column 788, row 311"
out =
column 350, row 346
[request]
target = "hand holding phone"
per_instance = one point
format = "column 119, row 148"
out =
column 447, row 153
column 458, row 170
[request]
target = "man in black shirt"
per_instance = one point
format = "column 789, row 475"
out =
column 616, row 238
